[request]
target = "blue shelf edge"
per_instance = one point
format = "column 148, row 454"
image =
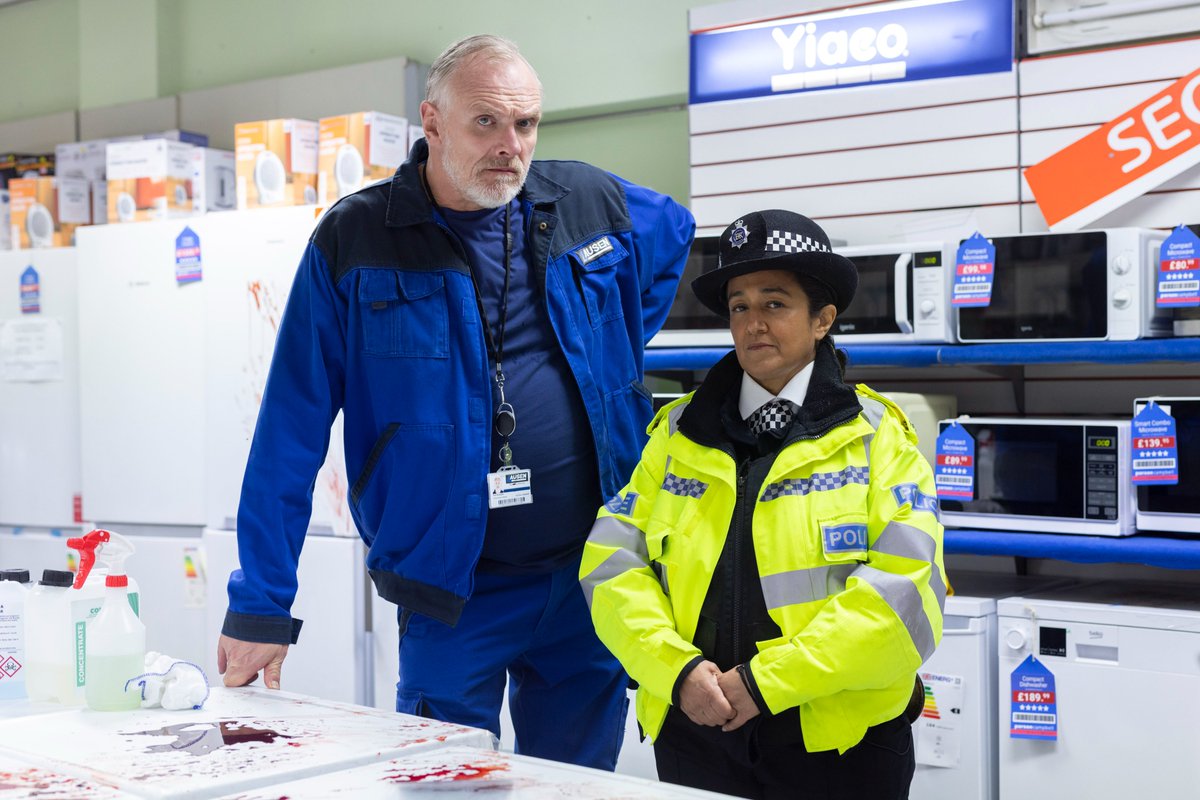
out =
column 928, row 355
column 1141, row 548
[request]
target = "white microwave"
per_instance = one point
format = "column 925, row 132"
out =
column 1083, row 286
column 1175, row 508
column 902, row 296
column 1047, row 476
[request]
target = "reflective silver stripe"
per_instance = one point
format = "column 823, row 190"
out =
column 867, row 447
column 673, row 418
column 612, row 532
column 908, row 541
column 620, row 562
column 873, row 410
column 804, row 585
column 902, row 596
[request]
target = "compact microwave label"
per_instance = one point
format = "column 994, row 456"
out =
column 974, row 268
column 1179, row 269
column 1034, row 706
column 187, row 257
column 1155, row 447
column 954, row 472
column 31, row 291
column 855, row 46
column 1123, row 159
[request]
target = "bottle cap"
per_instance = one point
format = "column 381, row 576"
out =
column 18, row 575
column 57, row 577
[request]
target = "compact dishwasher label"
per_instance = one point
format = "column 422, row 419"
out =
column 954, row 470
column 1179, row 269
column 974, row 268
column 187, row 257
column 1034, row 712
column 31, row 291
column 1155, row 449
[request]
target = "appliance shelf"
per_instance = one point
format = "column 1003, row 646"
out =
column 928, row 355
column 1141, row 548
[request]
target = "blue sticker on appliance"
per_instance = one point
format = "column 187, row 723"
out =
column 1034, row 705
column 31, row 291
column 187, row 257
column 1179, row 269
column 974, row 270
column 1154, row 447
column 954, row 470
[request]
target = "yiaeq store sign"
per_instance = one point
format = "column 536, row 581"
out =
column 901, row 41
column 1142, row 148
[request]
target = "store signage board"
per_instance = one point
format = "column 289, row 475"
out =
column 1144, row 147
column 886, row 42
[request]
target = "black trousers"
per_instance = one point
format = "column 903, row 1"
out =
column 766, row 759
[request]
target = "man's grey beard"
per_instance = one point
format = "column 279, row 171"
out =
column 480, row 193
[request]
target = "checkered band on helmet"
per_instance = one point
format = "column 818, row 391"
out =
column 789, row 242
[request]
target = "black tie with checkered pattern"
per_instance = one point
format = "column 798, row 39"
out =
column 773, row 416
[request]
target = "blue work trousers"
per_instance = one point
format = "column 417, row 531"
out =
column 566, row 691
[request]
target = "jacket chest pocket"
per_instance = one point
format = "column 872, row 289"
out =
column 596, row 268
column 404, row 314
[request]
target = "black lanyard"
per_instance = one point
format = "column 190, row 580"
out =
column 506, row 418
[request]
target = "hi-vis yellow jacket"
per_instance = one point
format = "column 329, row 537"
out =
column 849, row 552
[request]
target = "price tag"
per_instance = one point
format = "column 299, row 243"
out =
column 1034, row 707
column 187, row 257
column 974, row 268
column 31, row 291
column 954, row 467
column 1155, row 448
column 1179, row 269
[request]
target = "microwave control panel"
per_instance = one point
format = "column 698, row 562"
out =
column 1100, row 472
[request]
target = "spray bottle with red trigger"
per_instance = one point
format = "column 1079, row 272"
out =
column 116, row 638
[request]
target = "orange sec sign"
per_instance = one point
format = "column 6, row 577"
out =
column 1139, row 150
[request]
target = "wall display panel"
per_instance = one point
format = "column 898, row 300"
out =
column 1110, row 66
column 39, row 387
column 1152, row 210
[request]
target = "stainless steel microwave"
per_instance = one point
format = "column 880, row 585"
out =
column 1083, row 286
column 1175, row 508
column 902, row 297
column 1047, row 476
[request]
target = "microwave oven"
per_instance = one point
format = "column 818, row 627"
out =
column 902, row 296
column 1082, row 286
column 1047, row 476
column 1175, row 508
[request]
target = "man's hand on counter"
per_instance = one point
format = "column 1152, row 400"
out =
column 241, row 661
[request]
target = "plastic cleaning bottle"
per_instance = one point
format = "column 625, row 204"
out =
column 86, row 598
column 116, row 638
column 13, row 594
column 50, row 640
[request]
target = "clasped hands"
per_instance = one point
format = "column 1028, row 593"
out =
column 711, row 697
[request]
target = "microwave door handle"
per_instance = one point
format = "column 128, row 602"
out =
column 903, row 320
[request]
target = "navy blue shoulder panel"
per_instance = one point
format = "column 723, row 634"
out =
column 594, row 203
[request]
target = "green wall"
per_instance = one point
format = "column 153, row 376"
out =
column 615, row 73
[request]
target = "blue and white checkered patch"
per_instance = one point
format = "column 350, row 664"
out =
column 619, row 504
column 909, row 493
column 684, row 487
column 819, row 482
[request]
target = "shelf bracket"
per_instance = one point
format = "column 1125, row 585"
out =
column 1015, row 375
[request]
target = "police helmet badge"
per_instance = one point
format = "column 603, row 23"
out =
column 739, row 235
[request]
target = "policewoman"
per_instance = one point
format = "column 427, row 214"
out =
column 771, row 576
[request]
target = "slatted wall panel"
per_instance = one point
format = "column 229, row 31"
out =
column 1063, row 98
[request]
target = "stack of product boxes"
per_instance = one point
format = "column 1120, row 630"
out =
column 356, row 150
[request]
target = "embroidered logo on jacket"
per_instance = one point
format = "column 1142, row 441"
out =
column 819, row 482
column 591, row 252
column 909, row 493
column 844, row 538
column 619, row 504
column 684, row 487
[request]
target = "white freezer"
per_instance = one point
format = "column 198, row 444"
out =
column 39, row 391
column 955, row 736
column 464, row 772
column 242, row 739
column 1126, row 664
column 331, row 659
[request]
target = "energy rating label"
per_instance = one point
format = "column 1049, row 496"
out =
column 938, row 732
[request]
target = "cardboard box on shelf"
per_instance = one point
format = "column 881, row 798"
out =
column 214, row 180
column 149, row 179
column 358, row 149
column 24, row 165
column 81, row 159
column 35, row 222
column 276, row 162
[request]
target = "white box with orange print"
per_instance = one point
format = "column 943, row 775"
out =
column 34, row 211
column 150, row 179
column 358, row 149
column 276, row 162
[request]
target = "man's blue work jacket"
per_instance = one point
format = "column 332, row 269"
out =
column 382, row 322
